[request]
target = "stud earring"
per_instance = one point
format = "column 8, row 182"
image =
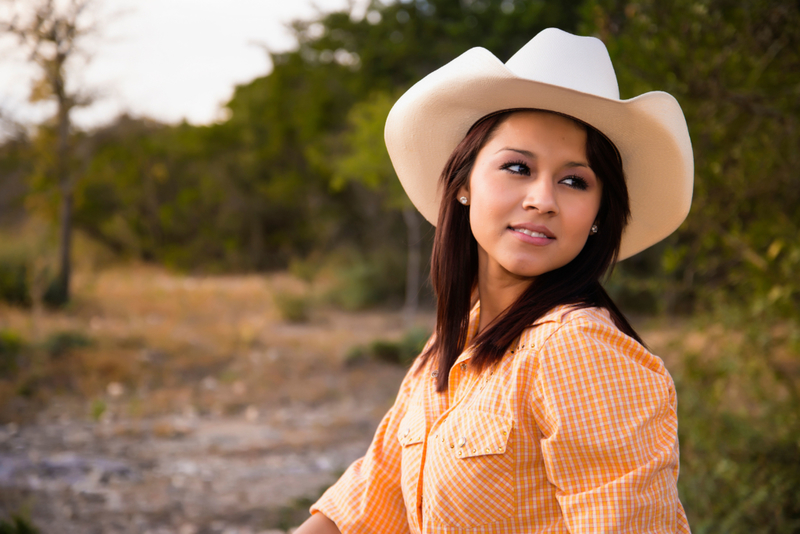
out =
column 593, row 229
column 463, row 200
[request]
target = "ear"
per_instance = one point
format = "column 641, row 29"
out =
column 463, row 191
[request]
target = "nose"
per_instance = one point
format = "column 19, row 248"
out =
column 541, row 195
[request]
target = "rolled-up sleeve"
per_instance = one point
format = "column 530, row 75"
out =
column 368, row 497
column 606, row 408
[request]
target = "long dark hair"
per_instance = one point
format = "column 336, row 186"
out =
column 454, row 263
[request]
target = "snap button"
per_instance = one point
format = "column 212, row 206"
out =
column 435, row 373
column 407, row 432
column 462, row 441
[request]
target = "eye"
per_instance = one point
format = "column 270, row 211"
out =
column 517, row 167
column 575, row 182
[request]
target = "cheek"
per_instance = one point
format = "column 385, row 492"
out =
column 487, row 215
column 492, row 198
column 580, row 216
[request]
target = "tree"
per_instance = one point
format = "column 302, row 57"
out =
column 364, row 160
column 50, row 33
column 735, row 69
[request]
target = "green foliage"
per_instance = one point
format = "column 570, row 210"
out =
column 13, row 283
column 26, row 266
column 254, row 191
column 364, row 158
column 293, row 307
column 11, row 345
column 17, row 524
column 739, row 413
column 58, row 344
column 305, row 269
column 402, row 352
column 364, row 280
column 16, row 162
column 97, row 409
column 300, row 167
column 735, row 69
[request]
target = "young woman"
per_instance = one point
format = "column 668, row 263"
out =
column 535, row 407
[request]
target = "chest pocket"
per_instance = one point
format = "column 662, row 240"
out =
column 410, row 436
column 470, row 474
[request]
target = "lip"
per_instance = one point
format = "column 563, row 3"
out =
column 532, row 240
column 533, row 228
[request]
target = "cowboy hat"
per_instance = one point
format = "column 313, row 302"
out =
column 560, row 72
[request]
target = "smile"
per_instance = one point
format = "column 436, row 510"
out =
column 531, row 233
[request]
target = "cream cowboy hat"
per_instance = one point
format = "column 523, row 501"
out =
column 560, row 72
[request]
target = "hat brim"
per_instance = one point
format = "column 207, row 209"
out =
column 650, row 132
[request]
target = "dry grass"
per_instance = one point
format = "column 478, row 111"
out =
column 166, row 343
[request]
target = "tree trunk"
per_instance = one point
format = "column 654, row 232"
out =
column 412, row 221
column 65, row 247
column 64, row 185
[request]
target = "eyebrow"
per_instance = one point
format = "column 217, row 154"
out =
column 526, row 153
column 529, row 154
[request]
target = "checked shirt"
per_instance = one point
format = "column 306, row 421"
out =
column 574, row 430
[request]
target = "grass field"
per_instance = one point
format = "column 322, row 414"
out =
column 155, row 342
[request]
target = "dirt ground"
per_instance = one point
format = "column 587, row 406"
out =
column 189, row 405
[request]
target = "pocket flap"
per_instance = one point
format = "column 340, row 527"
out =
column 412, row 427
column 481, row 434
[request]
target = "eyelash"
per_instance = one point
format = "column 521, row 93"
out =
column 525, row 169
column 579, row 184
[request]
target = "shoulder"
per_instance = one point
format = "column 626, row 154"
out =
column 569, row 336
column 582, row 366
column 568, row 322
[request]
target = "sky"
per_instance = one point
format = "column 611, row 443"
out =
column 169, row 60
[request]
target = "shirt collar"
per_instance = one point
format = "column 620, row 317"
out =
column 472, row 331
column 556, row 315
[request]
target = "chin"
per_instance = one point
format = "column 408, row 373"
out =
column 525, row 271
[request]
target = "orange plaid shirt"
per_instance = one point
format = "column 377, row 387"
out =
column 574, row 430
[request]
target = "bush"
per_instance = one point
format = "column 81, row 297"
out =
column 10, row 346
column 59, row 343
column 402, row 352
column 363, row 281
column 292, row 307
column 13, row 283
column 17, row 524
column 739, row 418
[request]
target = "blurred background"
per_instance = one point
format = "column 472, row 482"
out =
column 211, row 282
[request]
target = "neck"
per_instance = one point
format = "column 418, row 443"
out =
column 497, row 292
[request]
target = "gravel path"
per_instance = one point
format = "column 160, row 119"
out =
column 180, row 474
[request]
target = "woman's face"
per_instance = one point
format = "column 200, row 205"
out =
column 532, row 196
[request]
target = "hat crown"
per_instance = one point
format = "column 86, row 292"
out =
column 559, row 58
